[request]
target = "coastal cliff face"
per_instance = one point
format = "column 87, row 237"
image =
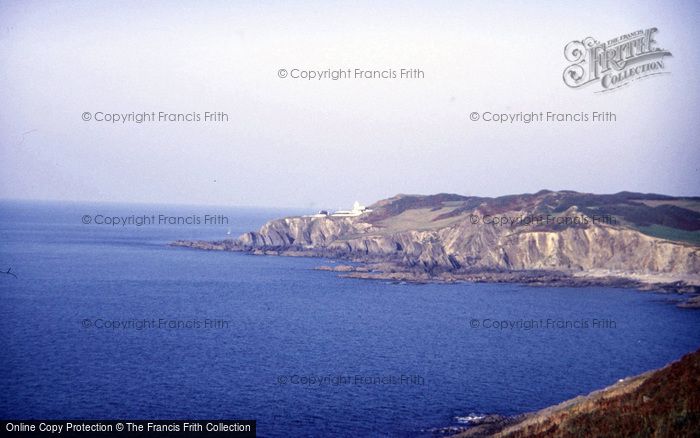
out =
column 562, row 231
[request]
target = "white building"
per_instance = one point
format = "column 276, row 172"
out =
column 357, row 209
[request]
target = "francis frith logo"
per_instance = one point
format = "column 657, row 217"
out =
column 615, row 63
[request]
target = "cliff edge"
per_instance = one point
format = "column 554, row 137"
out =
column 641, row 237
column 659, row 403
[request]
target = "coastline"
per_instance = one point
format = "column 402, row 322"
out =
column 449, row 238
column 375, row 268
column 664, row 401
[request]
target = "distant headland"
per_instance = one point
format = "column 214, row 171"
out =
column 560, row 238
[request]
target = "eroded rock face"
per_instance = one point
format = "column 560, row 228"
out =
column 450, row 233
column 300, row 232
column 483, row 246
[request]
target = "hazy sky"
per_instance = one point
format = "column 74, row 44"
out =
column 292, row 142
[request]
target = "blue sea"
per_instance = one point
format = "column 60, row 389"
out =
column 108, row 321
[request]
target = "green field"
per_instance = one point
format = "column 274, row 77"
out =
column 671, row 234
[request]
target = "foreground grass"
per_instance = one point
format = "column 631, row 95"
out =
column 660, row 403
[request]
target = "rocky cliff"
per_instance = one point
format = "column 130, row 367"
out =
column 552, row 231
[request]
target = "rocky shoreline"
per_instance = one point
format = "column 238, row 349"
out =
column 689, row 295
column 449, row 238
column 368, row 267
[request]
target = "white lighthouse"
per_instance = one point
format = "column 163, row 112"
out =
column 357, row 209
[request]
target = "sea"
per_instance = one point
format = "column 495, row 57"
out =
column 100, row 318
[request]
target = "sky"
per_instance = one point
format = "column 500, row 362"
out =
column 322, row 143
